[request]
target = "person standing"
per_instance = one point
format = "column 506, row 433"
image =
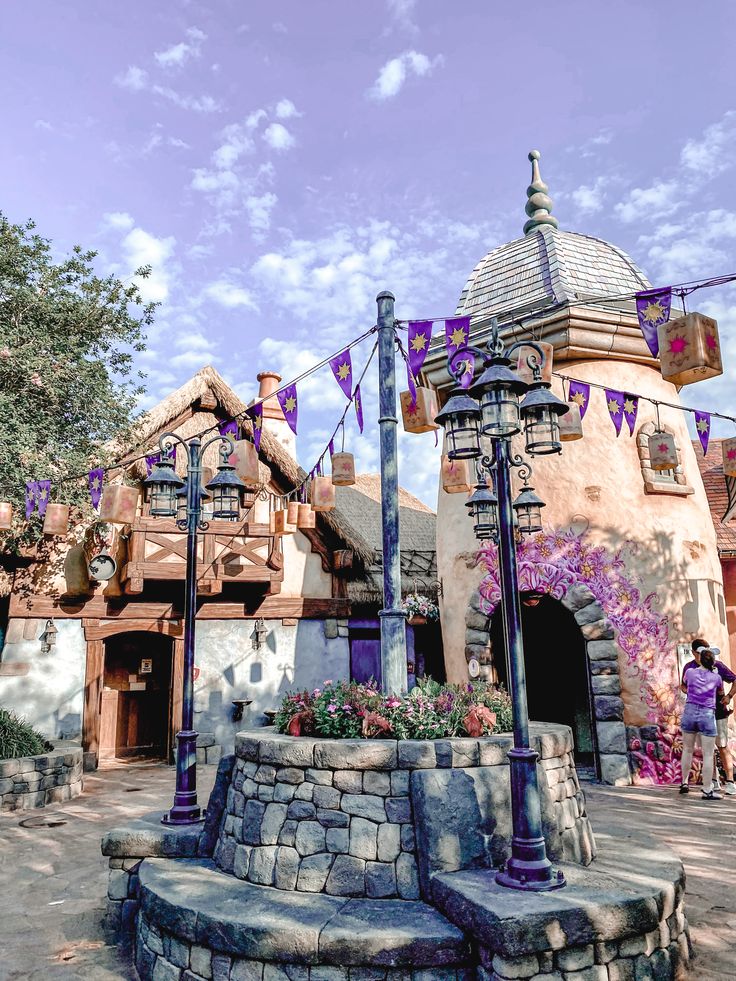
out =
column 722, row 711
column 703, row 685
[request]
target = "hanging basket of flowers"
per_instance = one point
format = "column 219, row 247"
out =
column 419, row 609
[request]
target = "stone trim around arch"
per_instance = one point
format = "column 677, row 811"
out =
column 602, row 652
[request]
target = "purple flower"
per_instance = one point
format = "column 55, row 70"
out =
column 332, row 708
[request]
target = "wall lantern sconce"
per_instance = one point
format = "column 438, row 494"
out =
column 48, row 637
column 260, row 632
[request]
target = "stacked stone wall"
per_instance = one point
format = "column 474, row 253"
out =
column 34, row 781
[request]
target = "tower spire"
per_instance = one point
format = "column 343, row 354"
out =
column 539, row 203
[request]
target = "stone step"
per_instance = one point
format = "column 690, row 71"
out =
column 199, row 904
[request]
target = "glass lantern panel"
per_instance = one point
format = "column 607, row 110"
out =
column 530, row 519
column 226, row 504
column 163, row 503
column 542, row 432
column 463, row 439
column 499, row 412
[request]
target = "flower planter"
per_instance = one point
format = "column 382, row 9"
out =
column 416, row 621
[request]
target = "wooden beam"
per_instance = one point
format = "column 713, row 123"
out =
column 274, row 607
column 101, row 630
column 93, row 678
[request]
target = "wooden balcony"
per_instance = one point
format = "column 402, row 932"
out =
column 239, row 552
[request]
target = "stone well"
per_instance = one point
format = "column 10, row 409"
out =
column 49, row 778
column 354, row 860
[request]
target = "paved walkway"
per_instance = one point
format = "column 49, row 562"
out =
column 53, row 879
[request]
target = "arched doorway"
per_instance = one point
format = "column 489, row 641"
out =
column 136, row 702
column 557, row 672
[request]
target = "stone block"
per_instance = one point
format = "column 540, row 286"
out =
column 415, row 754
column 602, row 650
column 249, row 788
column 609, row 708
column 330, row 629
column 200, row 961
column 389, row 842
column 407, row 877
column 301, row 810
column 205, row 739
column 323, row 973
column 600, row 630
column 238, row 808
column 297, row 972
column 365, row 806
column 576, row 958
column 117, row 884
column 313, row 872
column 241, row 861
column 578, row 597
column 326, row 797
column 252, row 818
column 7, row 784
column 262, row 865
column 347, row 877
column 464, row 752
column 377, row 782
column 220, row 967
column 588, row 614
column 266, row 774
column 606, row 684
column 243, row 970
column 399, row 783
column 516, row 967
column 284, row 750
column 176, row 951
column 288, row 833
column 275, row 972
column 398, row 809
column 476, row 635
column 310, row 838
column 145, row 960
column 162, row 969
column 332, row 819
column 290, row 774
column 272, row 823
column 284, row 793
column 611, row 737
column 407, row 838
column 363, row 838
column 348, row 781
column 201, row 756
column 338, row 840
column 380, row 879
column 8, row 768
column 622, row 969
column 304, row 791
column 494, row 750
column 287, row 868
column 356, row 754
column 475, row 620
column 320, row 776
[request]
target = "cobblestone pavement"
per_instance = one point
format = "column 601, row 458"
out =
column 703, row 833
column 53, row 880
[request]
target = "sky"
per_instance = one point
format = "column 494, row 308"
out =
column 279, row 164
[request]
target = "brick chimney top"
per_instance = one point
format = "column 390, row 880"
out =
column 269, row 381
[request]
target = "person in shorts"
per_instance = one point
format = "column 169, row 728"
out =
column 722, row 712
column 704, row 686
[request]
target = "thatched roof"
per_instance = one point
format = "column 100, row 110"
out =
column 360, row 507
column 180, row 411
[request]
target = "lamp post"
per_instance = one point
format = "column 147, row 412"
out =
column 485, row 419
column 167, row 491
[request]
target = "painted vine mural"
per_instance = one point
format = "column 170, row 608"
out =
column 551, row 562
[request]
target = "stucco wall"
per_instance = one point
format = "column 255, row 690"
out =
column 596, row 484
column 728, row 654
column 50, row 695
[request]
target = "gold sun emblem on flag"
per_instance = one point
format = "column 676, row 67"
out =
column 343, row 371
column 702, row 425
column 653, row 312
column 290, row 404
column 95, row 483
column 629, row 407
column 419, row 342
column 357, row 404
column 614, row 406
column 457, row 337
column 578, row 397
column 257, row 422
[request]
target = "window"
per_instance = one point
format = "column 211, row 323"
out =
column 659, row 481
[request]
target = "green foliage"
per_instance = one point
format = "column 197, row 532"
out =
column 18, row 738
column 67, row 385
column 348, row 710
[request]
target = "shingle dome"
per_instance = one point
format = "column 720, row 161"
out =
column 547, row 267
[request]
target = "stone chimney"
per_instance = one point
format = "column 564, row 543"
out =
column 273, row 416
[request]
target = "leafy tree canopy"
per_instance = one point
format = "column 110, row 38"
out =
column 67, row 383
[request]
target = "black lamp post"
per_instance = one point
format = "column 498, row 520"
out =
column 492, row 413
column 172, row 497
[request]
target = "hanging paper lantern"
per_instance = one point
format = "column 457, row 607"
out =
column 76, row 572
column 689, row 349
column 245, row 460
column 571, row 425
column 322, row 494
column 56, row 519
column 6, row 515
column 279, row 523
column 523, row 370
column 306, row 517
column 119, row 504
column 662, row 451
column 292, row 513
column 343, row 469
column 455, row 476
column 418, row 415
column 728, row 448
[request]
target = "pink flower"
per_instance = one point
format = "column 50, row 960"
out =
column 347, row 708
column 328, row 682
column 332, row 708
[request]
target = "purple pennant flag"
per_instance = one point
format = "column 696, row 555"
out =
column 342, row 369
column 615, row 406
column 152, row 461
column 43, row 495
column 31, row 495
column 418, row 338
column 358, row 403
column 331, row 448
column 94, row 482
column 288, row 402
column 580, row 393
column 228, row 428
column 631, row 408
column 653, row 309
column 255, row 414
column 457, row 332
column 702, row 427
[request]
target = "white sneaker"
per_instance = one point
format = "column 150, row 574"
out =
column 730, row 789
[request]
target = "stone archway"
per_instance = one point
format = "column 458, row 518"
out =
column 603, row 658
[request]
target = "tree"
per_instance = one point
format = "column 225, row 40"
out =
column 67, row 383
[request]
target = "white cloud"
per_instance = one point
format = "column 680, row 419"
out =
column 401, row 12
column 228, row 295
column 43, row 124
column 140, row 248
column 713, row 152
column 235, row 142
column 259, row 208
column 394, row 73
column 118, row 220
column 197, row 103
column 643, row 203
column 589, row 198
column 135, row 79
column 285, row 109
column 214, row 181
column 178, row 54
column 278, row 137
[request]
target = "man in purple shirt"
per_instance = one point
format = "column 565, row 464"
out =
column 722, row 710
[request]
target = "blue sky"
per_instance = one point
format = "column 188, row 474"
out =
column 280, row 163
